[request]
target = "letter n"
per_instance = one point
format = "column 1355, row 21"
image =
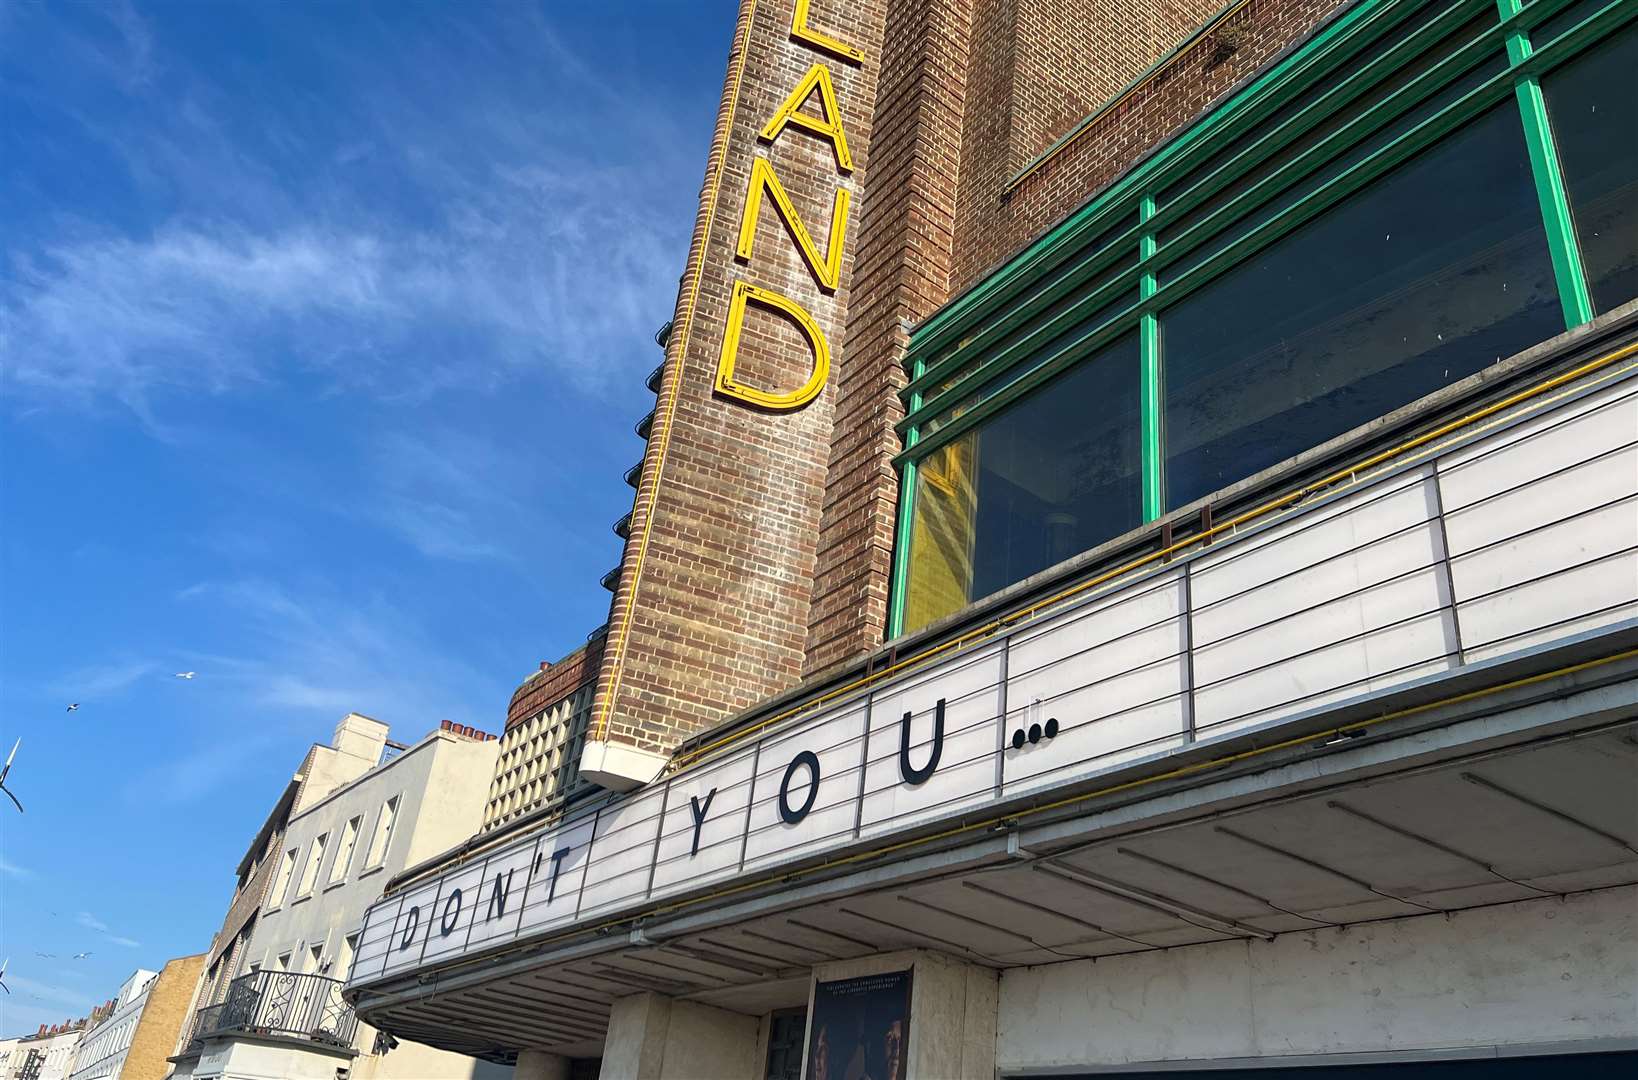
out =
column 497, row 899
column 827, row 271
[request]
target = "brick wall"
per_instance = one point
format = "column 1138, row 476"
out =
column 163, row 1016
column 971, row 90
column 902, row 275
column 769, row 535
column 1042, row 66
column 712, row 615
column 553, row 682
column 998, row 225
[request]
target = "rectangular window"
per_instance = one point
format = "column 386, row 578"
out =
column 344, row 852
column 344, row 962
column 1594, row 114
column 1434, row 272
column 1046, row 478
column 281, row 884
column 309, row 875
column 383, row 833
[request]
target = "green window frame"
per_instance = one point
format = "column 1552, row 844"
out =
column 1014, row 323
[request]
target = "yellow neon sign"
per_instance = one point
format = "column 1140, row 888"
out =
column 745, row 294
column 801, row 31
column 828, row 271
column 830, row 127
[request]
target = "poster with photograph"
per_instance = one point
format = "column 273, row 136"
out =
column 861, row 1028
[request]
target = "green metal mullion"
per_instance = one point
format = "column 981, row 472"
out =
column 1339, row 187
column 1021, row 350
column 900, row 571
column 1562, row 243
column 1290, row 75
column 1064, row 358
column 1091, row 265
column 1357, row 84
column 1149, row 373
column 1361, row 127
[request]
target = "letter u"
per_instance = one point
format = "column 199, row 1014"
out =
column 911, row 774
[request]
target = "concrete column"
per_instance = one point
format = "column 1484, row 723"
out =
column 539, row 1065
column 652, row 1037
column 952, row 1012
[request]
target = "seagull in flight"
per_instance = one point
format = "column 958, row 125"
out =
column 46, row 955
column 82, row 956
column 186, row 674
column 74, row 706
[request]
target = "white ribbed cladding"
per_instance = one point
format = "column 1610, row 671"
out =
column 1332, row 601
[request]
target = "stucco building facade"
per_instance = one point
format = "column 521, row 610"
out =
column 360, row 810
column 1134, row 568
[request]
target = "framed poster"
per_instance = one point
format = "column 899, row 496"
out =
column 861, row 1028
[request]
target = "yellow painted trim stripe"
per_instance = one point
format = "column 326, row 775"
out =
column 622, row 628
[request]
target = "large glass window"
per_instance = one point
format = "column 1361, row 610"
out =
column 1050, row 476
column 1594, row 112
column 1432, row 273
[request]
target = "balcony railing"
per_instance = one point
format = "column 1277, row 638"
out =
column 279, row 1003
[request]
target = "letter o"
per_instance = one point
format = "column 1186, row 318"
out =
column 451, row 918
column 411, row 925
column 811, row 760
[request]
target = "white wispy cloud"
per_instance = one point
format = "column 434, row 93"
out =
column 11, row 869
column 94, row 681
column 314, row 651
column 525, row 266
column 91, row 922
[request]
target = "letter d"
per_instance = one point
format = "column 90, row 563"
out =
column 746, row 293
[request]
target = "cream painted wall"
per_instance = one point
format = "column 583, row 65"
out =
column 1538, row 972
column 652, row 1037
column 441, row 783
column 102, row 1049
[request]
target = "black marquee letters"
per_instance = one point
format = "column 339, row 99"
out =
column 412, row 922
column 922, row 775
column 451, row 918
column 700, row 810
column 497, row 899
column 557, row 864
column 789, row 816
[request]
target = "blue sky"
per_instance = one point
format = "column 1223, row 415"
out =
column 323, row 330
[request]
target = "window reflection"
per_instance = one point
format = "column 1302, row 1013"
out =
column 1594, row 112
column 1047, row 478
column 1435, row 271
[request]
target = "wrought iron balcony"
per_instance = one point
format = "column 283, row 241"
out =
column 282, row 1004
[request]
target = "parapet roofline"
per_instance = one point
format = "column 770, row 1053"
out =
column 280, row 812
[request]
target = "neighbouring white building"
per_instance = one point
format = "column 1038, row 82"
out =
column 103, row 1049
column 282, row 1015
column 46, row 1055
